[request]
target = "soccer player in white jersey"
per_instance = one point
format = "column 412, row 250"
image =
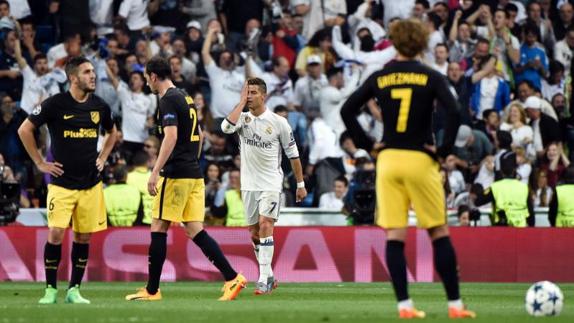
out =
column 262, row 135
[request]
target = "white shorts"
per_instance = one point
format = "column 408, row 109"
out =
column 261, row 203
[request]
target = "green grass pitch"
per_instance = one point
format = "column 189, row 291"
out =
column 318, row 302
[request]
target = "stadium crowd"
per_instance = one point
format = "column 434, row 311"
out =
column 509, row 62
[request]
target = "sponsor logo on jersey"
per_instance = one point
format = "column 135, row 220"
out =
column 168, row 116
column 95, row 116
column 81, row 133
column 269, row 130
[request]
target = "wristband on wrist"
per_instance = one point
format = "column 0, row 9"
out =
column 301, row 185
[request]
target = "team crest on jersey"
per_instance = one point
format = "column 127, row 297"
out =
column 247, row 119
column 269, row 130
column 37, row 110
column 95, row 116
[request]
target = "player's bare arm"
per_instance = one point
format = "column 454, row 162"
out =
column 26, row 133
column 109, row 142
column 298, row 171
column 167, row 145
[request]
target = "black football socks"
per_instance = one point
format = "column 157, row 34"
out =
column 156, row 258
column 446, row 266
column 211, row 250
column 80, row 253
column 397, row 265
column 52, row 256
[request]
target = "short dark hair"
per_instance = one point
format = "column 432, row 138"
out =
column 39, row 56
column 140, row 158
column 531, row 28
column 442, row 45
column 73, row 64
column 342, row 179
column 280, row 108
column 510, row 7
column 5, row 2
column 259, row 82
column 158, row 66
column 527, row 82
column 423, row 3
column 175, row 56
column 504, row 139
column 503, row 11
column 120, row 173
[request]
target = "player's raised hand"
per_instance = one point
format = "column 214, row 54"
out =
column 152, row 184
column 300, row 194
column 54, row 169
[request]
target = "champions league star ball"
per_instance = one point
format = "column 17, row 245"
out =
column 544, row 299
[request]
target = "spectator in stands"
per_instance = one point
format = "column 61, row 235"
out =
column 463, row 216
column 104, row 87
column 471, row 147
column 534, row 12
column 460, row 42
column 194, row 39
column 563, row 49
column 533, row 64
column 6, row 173
column 134, row 14
column 151, row 147
column 59, row 54
column 317, row 14
column 10, row 77
column 226, row 80
column 298, row 122
column 448, row 193
column 320, row 44
column 440, row 63
column 554, row 163
column 432, row 24
column 188, row 68
column 334, row 199
column 236, row 16
column 555, row 83
column 10, row 145
column 279, row 85
column 561, row 25
column 545, row 128
column 506, row 47
column 512, row 205
column 489, row 124
column 561, row 211
column 352, row 153
column 485, row 176
column 461, row 85
column 212, row 184
column 420, row 9
column 308, row 88
column 39, row 83
column 515, row 123
column 123, row 201
column 231, row 205
column 489, row 90
column 138, row 110
column 219, row 151
column 540, row 191
column 334, row 95
column 199, row 11
column 526, row 89
column 455, row 178
column 177, row 77
column 30, row 46
column 524, row 168
column 138, row 178
column 204, row 117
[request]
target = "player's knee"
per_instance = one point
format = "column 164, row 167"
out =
column 193, row 228
column 438, row 232
column 265, row 226
column 56, row 236
column 82, row 237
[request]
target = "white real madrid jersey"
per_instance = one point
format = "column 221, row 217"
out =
column 261, row 141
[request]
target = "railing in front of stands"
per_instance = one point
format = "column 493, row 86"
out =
column 293, row 216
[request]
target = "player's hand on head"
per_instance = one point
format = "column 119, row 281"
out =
column 300, row 194
column 54, row 169
column 152, row 184
column 244, row 92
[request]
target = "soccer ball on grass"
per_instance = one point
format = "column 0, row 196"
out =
column 544, row 299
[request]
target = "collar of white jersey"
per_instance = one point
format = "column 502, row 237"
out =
column 265, row 115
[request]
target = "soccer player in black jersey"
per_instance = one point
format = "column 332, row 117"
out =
column 74, row 120
column 177, row 184
column 407, row 171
